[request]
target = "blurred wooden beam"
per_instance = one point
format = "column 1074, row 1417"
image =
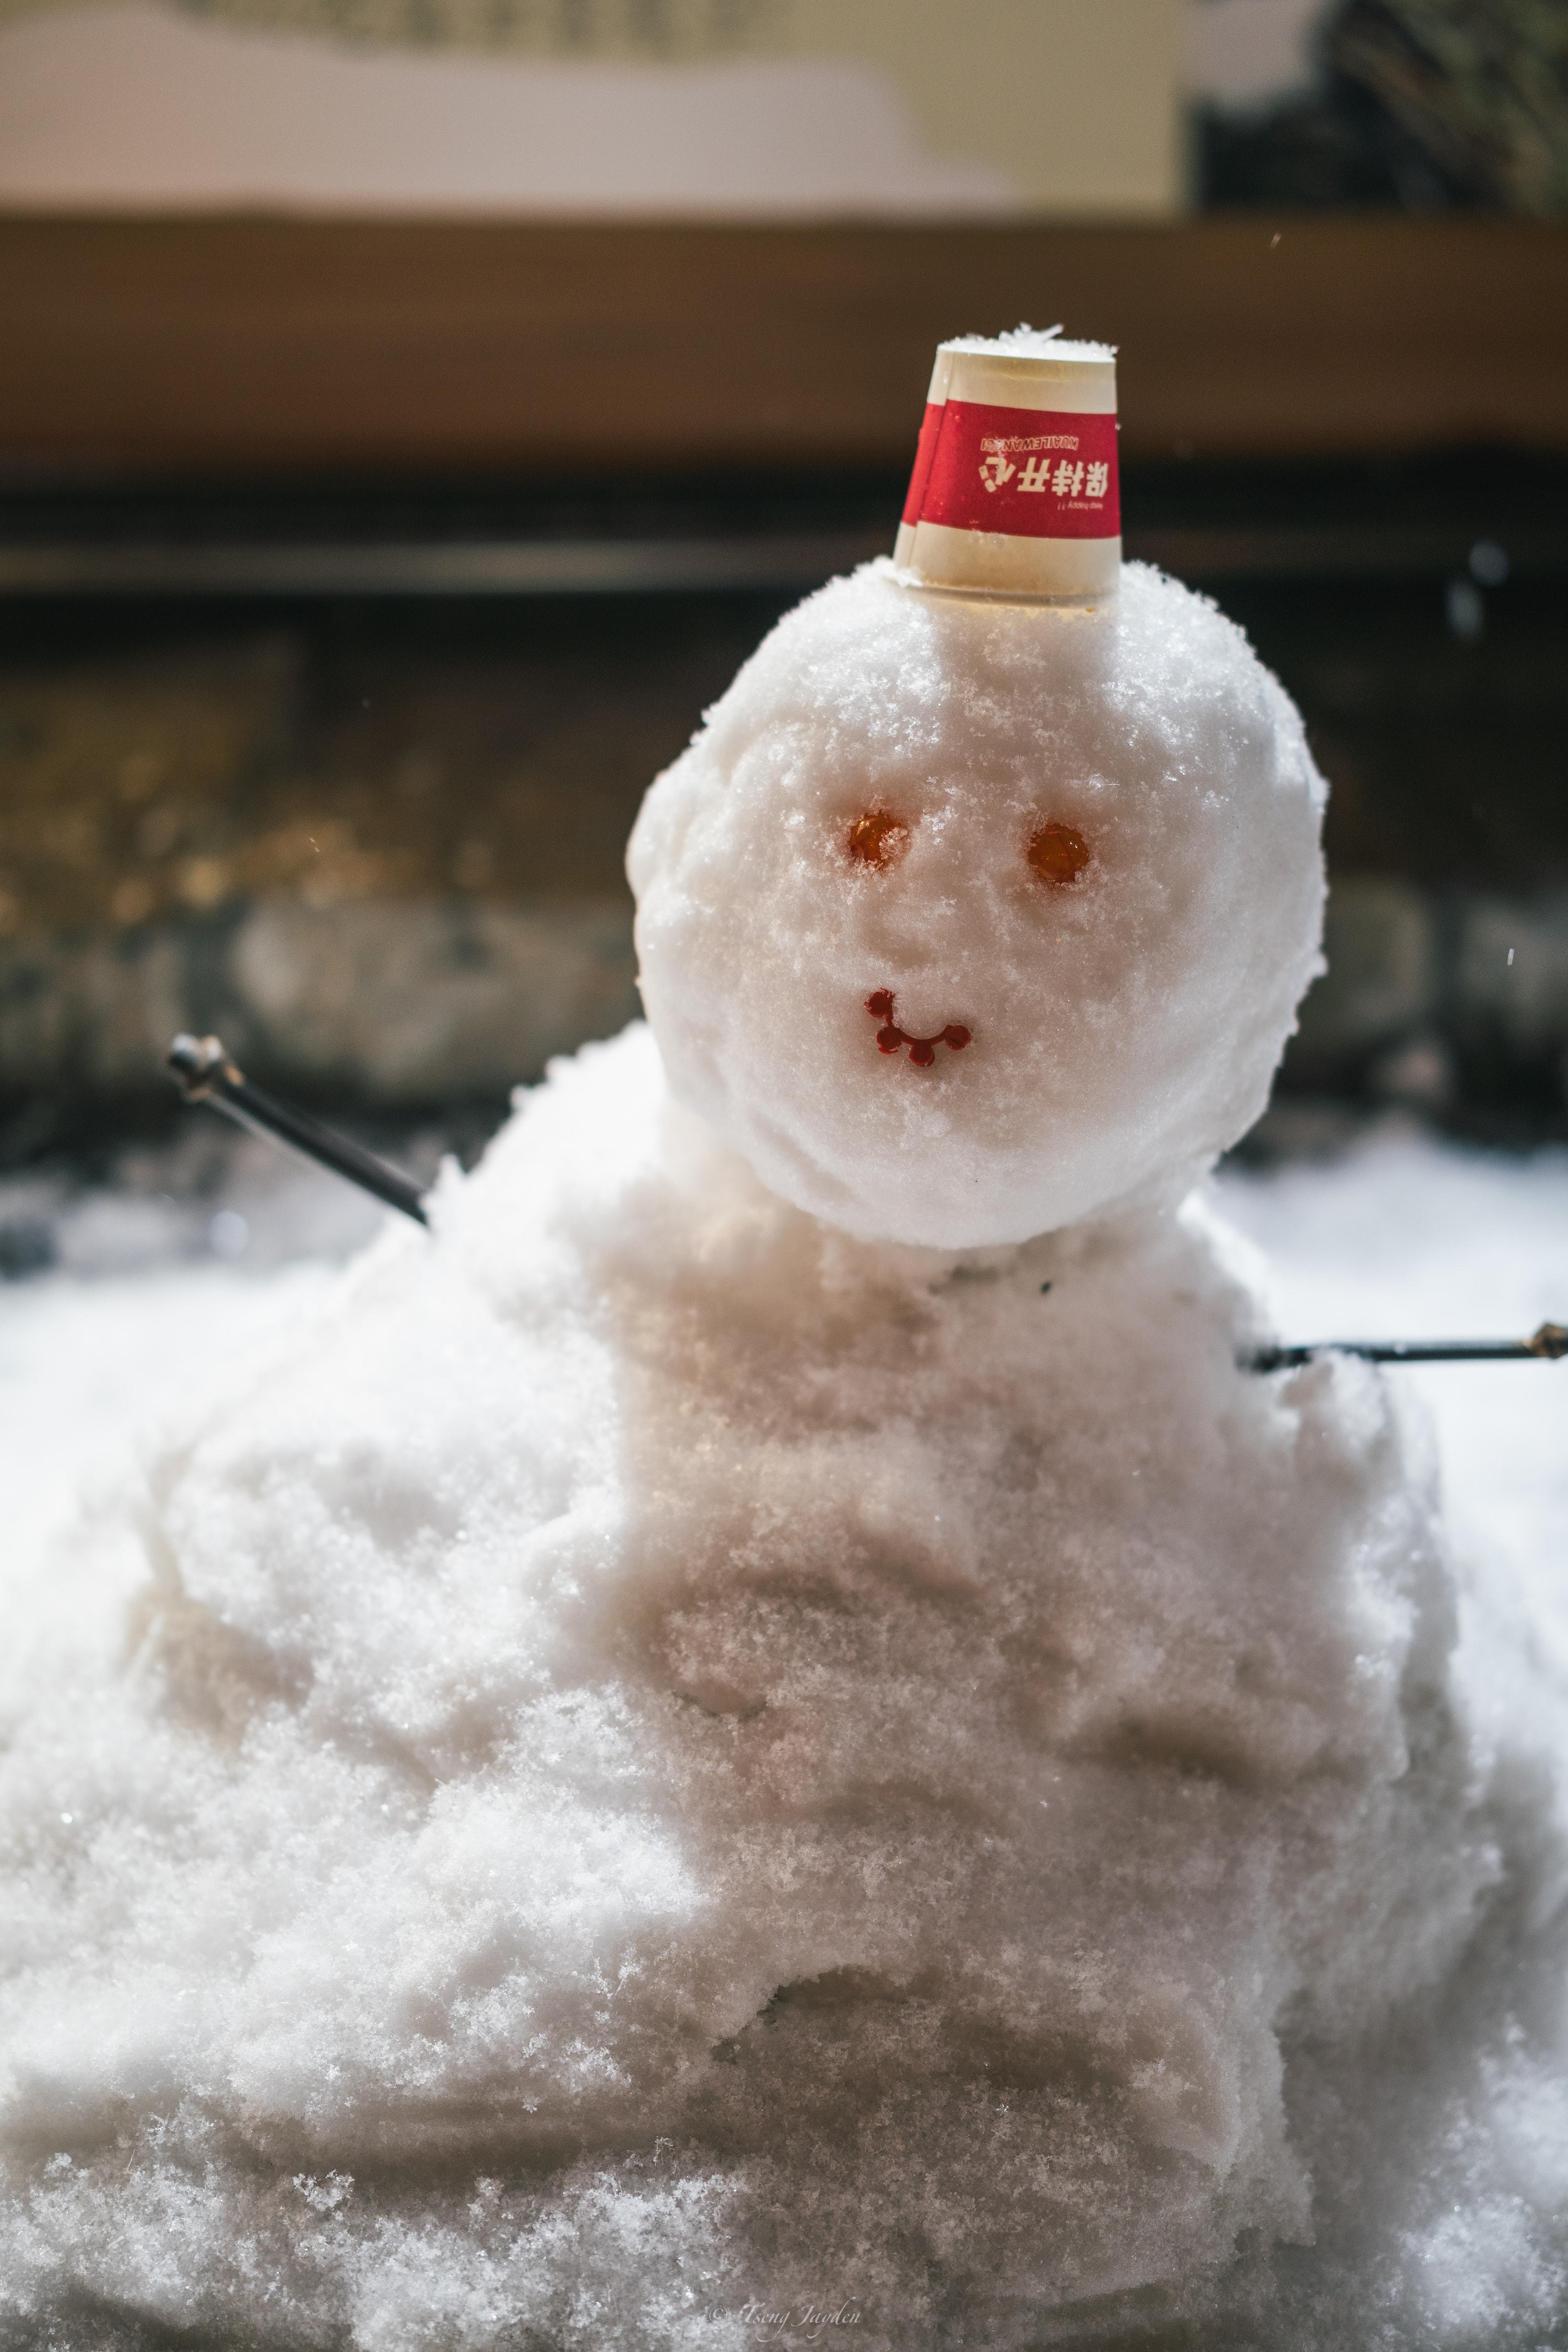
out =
column 197, row 343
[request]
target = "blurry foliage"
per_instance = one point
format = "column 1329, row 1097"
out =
column 1481, row 86
column 1427, row 105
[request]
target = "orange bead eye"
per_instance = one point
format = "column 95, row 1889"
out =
column 876, row 838
column 1057, row 853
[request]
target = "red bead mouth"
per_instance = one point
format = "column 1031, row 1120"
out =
column 922, row 1050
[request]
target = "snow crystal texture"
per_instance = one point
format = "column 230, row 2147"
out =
column 653, row 1763
column 1124, row 1025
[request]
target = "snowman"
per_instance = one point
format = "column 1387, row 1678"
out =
column 764, row 1738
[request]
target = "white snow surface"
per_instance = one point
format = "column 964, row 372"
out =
column 1125, row 1025
column 641, row 1763
column 1031, row 343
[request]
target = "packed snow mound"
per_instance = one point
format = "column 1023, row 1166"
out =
column 657, row 1764
column 1123, row 1023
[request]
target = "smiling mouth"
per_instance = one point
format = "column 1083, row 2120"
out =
column 922, row 1050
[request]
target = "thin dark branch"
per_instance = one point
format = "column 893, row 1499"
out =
column 203, row 1073
column 1543, row 1346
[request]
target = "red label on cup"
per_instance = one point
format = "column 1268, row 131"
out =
column 1028, row 473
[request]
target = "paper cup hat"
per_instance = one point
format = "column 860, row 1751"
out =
column 1014, row 491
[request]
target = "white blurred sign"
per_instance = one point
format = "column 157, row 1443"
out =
column 707, row 109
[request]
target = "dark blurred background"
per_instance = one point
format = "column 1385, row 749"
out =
column 362, row 561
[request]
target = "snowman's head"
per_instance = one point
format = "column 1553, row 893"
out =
column 963, row 919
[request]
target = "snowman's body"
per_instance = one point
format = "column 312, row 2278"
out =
column 681, row 1762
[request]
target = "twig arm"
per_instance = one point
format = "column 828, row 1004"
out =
column 205, row 1073
column 1545, row 1345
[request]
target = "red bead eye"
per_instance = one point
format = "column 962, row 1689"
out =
column 876, row 838
column 1057, row 853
